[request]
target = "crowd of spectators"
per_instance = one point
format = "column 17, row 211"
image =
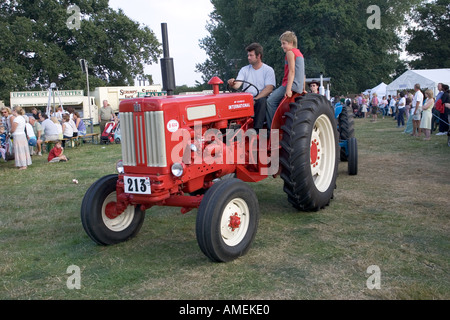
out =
column 419, row 112
column 23, row 136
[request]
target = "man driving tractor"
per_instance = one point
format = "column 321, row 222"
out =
column 261, row 76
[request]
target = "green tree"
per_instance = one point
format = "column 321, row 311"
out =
column 429, row 40
column 333, row 36
column 39, row 45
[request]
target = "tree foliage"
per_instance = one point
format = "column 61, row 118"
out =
column 333, row 36
column 430, row 40
column 38, row 47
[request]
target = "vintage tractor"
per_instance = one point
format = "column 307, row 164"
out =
column 198, row 151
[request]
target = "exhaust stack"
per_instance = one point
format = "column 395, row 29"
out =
column 167, row 69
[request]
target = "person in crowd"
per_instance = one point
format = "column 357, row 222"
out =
column 417, row 105
column 22, row 156
column 409, row 122
column 444, row 99
column 73, row 125
column 56, row 154
column 49, row 128
column 58, row 127
column 105, row 114
column 314, row 87
column 38, row 133
column 8, row 118
column 374, row 103
column 60, row 112
column 384, row 105
column 70, row 111
column 401, row 110
column 81, row 127
column 294, row 74
column 35, row 113
column 409, row 98
column 364, row 107
column 2, row 143
column 259, row 74
column 67, row 129
column 355, row 106
column 392, row 104
column 31, row 137
column 425, row 122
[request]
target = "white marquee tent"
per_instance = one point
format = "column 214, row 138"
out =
column 380, row 90
column 426, row 78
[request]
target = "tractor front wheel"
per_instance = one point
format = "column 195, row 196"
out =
column 352, row 146
column 227, row 220
column 99, row 217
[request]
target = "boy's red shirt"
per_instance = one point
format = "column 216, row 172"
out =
column 55, row 152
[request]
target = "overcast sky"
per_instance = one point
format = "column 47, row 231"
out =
column 186, row 24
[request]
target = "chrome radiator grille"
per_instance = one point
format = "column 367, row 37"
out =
column 143, row 139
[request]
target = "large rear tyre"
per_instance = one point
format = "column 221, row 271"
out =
column 227, row 220
column 309, row 153
column 98, row 214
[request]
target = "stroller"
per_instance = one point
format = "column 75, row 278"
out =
column 108, row 133
column 8, row 148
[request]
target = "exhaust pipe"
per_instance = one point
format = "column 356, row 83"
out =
column 167, row 69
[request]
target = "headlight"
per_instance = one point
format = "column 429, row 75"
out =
column 119, row 167
column 177, row 169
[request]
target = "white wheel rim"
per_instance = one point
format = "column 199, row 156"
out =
column 322, row 153
column 236, row 213
column 122, row 221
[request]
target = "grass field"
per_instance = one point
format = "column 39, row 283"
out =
column 394, row 215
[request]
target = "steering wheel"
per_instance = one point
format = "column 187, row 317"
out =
column 230, row 89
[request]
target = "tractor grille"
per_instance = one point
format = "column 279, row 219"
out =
column 143, row 139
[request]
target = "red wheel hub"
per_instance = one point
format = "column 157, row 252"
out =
column 235, row 222
column 314, row 153
column 111, row 210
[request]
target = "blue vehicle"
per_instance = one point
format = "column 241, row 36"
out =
column 347, row 141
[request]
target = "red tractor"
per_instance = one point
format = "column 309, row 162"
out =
column 197, row 151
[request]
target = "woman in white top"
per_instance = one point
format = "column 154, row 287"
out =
column 58, row 127
column 425, row 122
column 67, row 129
column 21, row 151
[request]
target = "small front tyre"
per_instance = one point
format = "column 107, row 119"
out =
column 227, row 220
column 352, row 146
column 98, row 214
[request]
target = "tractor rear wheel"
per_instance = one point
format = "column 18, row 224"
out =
column 98, row 214
column 346, row 128
column 227, row 220
column 309, row 153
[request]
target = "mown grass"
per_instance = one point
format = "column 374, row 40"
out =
column 393, row 214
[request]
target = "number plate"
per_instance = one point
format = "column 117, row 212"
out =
column 137, row 185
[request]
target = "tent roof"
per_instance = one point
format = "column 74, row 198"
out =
column 379, row 89
column 426, row 78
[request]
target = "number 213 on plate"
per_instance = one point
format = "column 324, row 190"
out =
column 137, row 185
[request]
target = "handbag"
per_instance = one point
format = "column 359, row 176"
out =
column 440, row 106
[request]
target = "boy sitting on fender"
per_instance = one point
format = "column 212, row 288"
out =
column 294, row 74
